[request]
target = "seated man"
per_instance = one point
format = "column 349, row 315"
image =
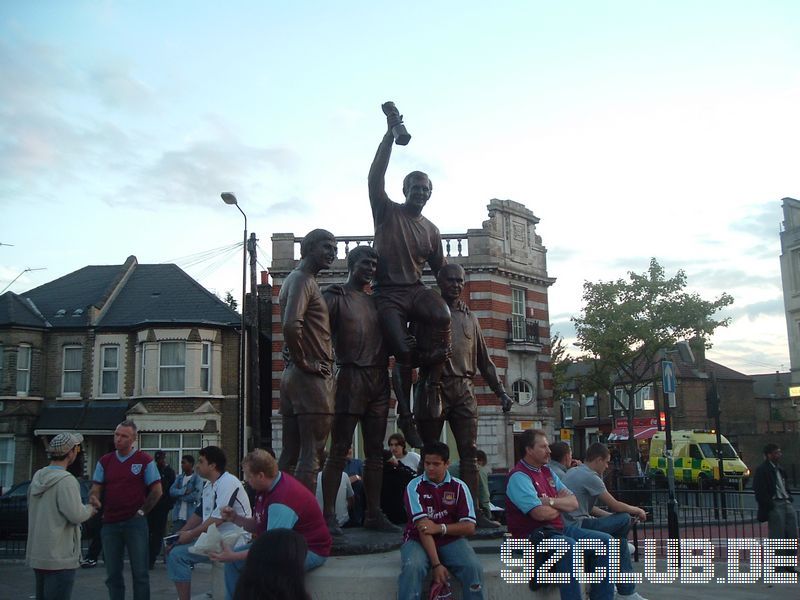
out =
column 561, row 459
column 440, row 515
column 343, row 501
column 218, row 492
column 282, row 502
column 586, row 482
column 537, row 498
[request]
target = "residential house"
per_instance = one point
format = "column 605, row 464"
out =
column 105, row 343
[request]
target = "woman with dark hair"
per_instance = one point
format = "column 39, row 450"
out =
column 274, row 569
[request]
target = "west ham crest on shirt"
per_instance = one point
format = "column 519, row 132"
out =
column 552, row 482
column 136, row 468
column 449, row 498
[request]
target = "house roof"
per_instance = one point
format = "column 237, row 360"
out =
column 117, row 296
column 166, row 294
column 771, row 385
column 74, row 294
column 15, row 310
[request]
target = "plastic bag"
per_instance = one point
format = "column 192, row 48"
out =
column 211, row 540
column 441, row 591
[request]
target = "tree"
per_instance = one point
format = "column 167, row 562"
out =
column 230, row 300
column 626, row 325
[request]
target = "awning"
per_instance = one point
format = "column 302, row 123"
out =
column 639, row 433
column 87, row 418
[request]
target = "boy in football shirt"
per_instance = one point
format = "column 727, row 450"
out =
column 440, row 515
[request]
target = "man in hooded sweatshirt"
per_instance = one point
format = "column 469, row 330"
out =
column 55, row 512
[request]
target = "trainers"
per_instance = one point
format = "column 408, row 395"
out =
column 88, row 563
column 633, row 596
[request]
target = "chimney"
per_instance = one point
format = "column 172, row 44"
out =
column 264, row 275
column 698, row 346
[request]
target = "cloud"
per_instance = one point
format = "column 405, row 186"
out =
column 763, row 222
column 733, row 278
column 773, row 307
column 117, row 87
column 198, row 172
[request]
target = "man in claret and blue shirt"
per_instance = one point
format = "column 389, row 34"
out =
column 537, row 498
column 441, row 515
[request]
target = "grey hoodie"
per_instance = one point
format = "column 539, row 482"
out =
column 55, row 512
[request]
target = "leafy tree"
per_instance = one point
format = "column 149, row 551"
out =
column 560, row 362
column 626, row 324
column 230, row 300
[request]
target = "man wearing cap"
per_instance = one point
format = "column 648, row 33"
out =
column 55, row 512
column 132, row 486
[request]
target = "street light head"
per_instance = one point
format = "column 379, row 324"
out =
column 228, row 198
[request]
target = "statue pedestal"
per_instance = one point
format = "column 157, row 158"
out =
column 357, row 540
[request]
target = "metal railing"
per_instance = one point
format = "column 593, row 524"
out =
column 523, row 330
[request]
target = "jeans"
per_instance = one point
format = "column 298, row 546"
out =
column 457, row 556
column 234, row 569
column 181, row 562
column 116, row 537
column 572, row 590
column 54, row 585
column 617, row 526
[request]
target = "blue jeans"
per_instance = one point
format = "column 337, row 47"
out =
column 234, row 569
column 572, row 590
column 617, row 526
column 132, row 534
column 458, row 557
column 181, row 562
column 54, row 585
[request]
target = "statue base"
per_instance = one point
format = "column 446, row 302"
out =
column 357, row 540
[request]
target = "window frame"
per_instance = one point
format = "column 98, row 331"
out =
column 162, row 367
column 206, row 371
column 518, row 304
column 515, row 391
column 8, row 462
column 590, row 401
column 178, row 451
column 65, row 371
column 104, row 370
column 26, row 370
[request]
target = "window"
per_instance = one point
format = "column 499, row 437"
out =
column 643, row 399
column 174, row 445
column 143, row 354
column 621, row 399
column 71, row 381
column 590, row 402
column 6, row 462
column 205, row 368
column 1, row 367
column 566, row 409
column 522, row 391
column 109, row 379
column 694, row 452
column 518, row 314
column 23, row 370
column 172, row 367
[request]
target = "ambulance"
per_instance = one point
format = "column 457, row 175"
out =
column 695, row 459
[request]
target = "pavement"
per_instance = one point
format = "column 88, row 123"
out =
column 375, row 576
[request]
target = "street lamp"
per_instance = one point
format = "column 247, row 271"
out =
column 229, row 198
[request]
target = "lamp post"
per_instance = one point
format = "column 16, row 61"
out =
column 229, row 198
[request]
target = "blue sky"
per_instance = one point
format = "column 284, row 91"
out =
column 631, row 129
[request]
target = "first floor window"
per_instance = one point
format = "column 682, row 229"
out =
column 172, row 367
column 110, row 373
column 590, row 402
column 518, row 325
column 23, row 369
column 566, row 410
column 620, row 399
column 71, row 382
column 6, row 462
column 205, row 368
column 175, row 445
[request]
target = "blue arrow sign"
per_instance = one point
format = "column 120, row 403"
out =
column 668, row 376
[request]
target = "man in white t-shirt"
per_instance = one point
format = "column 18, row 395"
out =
column 586, row 482
column 217, row 493
column 344, row 498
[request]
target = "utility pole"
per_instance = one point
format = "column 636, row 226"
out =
column 668, row 385
column 712, row 411
column 254, row 399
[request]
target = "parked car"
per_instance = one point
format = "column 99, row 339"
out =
column 14, row 509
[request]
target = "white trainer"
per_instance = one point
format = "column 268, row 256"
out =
column 633, row 596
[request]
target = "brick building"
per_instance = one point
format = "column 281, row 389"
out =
column 506, row 287
column 103, row 343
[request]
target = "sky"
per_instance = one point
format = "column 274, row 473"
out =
column 632, row 129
